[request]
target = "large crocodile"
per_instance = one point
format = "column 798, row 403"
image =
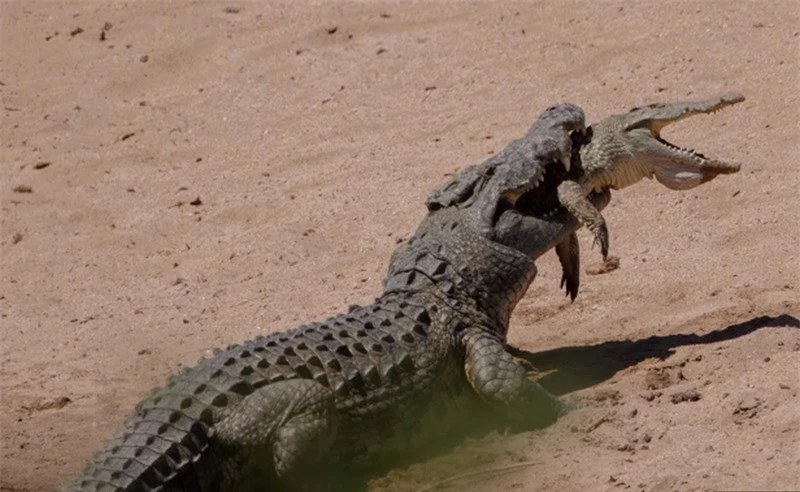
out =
column 362, row 387
column 623, row 149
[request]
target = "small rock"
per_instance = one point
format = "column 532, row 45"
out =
column 608, row 265
column 659, row 378
column 602, row 395
column 144, row 58
column 16, row 238
column 332, row 30
column 232, row 10
column 689, row 395
column 52, row 404
column 748, row 407
column 197, row 201
column 597, row 423
column 23, row 188
column 648, row 395
column 41, row 165
column 76, row 31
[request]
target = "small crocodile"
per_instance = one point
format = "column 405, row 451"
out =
column 621, row 150
column 291, row 410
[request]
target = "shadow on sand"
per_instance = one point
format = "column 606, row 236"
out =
column 573, row 368
column 576, row 368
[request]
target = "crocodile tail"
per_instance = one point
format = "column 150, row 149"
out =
column 162, row 448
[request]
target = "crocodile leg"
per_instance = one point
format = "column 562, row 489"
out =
column 573, row 198
column 292, row 422
column 499, row 378
column 569, row 255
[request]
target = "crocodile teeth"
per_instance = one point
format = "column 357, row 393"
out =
column 565, row 160
column 550, row 213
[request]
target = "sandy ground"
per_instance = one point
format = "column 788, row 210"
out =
column 177, row 176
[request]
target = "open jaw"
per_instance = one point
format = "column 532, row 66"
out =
column 536, row 221
column 542, row 201
column 512, row 195
column 673, row 166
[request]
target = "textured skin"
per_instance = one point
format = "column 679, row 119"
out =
column 623, row 149
column 291, row 410
column 516, row 169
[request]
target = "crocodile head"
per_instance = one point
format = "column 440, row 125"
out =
column 627, row 147
column 488, row 224
column 489, row 189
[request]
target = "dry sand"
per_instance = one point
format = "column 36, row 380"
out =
column 177, row 176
